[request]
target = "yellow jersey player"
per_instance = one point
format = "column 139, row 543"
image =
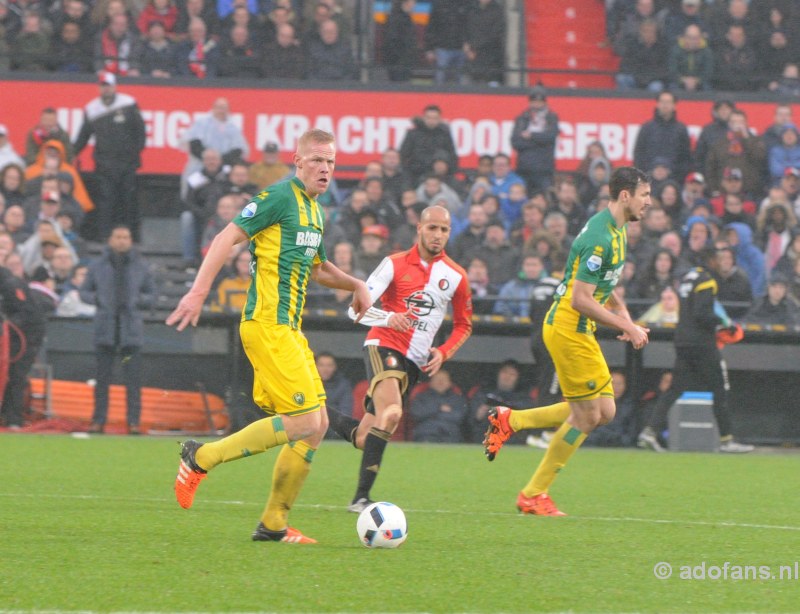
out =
column 284, row 226
column 585, row 298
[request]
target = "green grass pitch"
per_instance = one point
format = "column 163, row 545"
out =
column 92, row 525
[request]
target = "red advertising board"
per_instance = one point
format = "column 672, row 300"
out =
column 365, row 122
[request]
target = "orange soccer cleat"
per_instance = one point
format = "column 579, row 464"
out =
column 538, row 505
column 289, row 535
column 189, row 474
column 498, row 432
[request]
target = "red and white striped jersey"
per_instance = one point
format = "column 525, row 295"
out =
column 404, row 281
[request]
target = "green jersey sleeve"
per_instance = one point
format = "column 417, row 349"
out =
column 264, row 210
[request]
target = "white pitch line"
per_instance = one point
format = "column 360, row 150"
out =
column 324, row 506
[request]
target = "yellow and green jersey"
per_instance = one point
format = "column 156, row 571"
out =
column 597, row 257
column 285, row 226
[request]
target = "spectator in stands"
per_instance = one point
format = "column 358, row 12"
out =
column 691, row 62
column 217, row 131
column 739, row 150
column 117, row 48
column 557, row 226
column 386, row 210
column 231, row 292
column 630, row 14
column 30, row 49
column 57, row 268
column 734, row 14
column 483, row 290
column 395, row 179
column 501, row 180
column 330, row 58
column 158, row 53
column 567, row 203
column 784, row 155
column 71, row 305
column 202, row 9
column 485, row 45
column 434, row 191
column 399, row 50
column 530, row 222
column 466, row 243
column 239, row 54
column 15, row 224
column 777, row 307
column 198, row 55
column 786, row 262
column 163, row 11
column 284, row 57
column 782, row 118
column 51, row 161
column 507, row 388
column 734, row 211
column 46, row 236
column 677, row 19
column 8, row 155
column 643, row 62
column 774, row 226
column 733, row 286
column 47, row 129
column 788, row 85
column 664, row 136
column 670, row 198
column 501, row 259
column 428, row 137
column 439, row 411
column 732, row 184
column 715, row 130
column 269, row 169
column 200, row 202
column 337, row 387
column 118, row 129
column 790, row 184
column 228, row 207
column 514, row 298
column 242, row 16
column 749, row 257
column 373, row 247
column 120, row 285
column 534, row 138
column 71, row 49
column 659, row 274
column 597, row 176
column 736, row 66
column 444, row 39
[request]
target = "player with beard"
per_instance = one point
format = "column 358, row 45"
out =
column 585, row 297
column 415, row 288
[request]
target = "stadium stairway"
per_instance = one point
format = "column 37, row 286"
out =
column 568, row 36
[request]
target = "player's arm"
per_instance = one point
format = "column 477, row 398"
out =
column 329, row 275
column 703, row 308
column 462, row 328
column 189, row 308
column 616, row 304
column 377, row 283
column 583, row 302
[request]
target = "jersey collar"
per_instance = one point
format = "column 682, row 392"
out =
column 414, row 256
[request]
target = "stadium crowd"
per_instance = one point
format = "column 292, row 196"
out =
column 737, row 188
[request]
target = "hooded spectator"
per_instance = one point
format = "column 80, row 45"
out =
column 749, row 257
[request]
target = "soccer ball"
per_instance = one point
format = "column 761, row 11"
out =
column 382, row 525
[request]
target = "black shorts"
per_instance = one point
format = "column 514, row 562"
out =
column 382, row 363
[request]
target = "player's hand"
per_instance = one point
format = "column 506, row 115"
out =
column 637, row 335
column 188, row 310
column 435, row 361
column 400, row 322
column 361, row 301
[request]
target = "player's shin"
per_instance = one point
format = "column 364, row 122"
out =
column 565, row 442
column 374, row 447
column 288, row 476
column 344, row 426
column 539, row 417
column 255, row 438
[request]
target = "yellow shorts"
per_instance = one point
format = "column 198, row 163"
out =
column 580, row 365
column 285, row 379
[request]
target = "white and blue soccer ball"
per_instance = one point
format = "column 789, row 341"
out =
column 382, row 525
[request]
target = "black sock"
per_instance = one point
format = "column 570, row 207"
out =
column 374, row 446
column 342, row 425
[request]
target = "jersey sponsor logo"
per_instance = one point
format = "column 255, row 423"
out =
column 420, row 303
column 444, row 284
column 594, row 262
column 306, row 238
column 249, row 210
column 613, row 275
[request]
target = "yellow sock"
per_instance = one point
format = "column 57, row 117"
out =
column 255, row 438
column 288, row 476
column 563, row 445
column 539, row 417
